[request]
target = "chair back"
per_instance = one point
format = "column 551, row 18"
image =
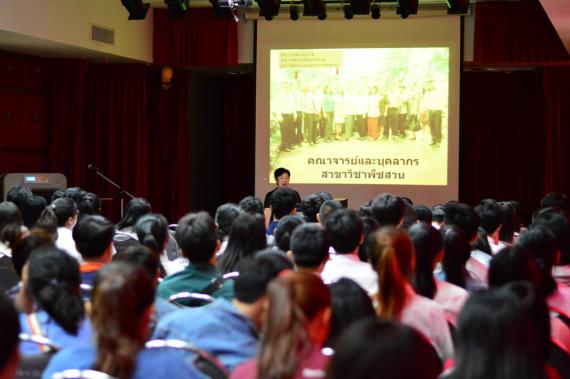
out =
column 122, row 241
column 32, row 366
column 81, row 374
column 190, row 299
column 204, row 362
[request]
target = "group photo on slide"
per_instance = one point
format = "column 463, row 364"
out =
column 361, row 115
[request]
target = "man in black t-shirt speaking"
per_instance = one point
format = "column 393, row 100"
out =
column 282, row 176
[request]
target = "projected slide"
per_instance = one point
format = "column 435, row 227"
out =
column 360, row 116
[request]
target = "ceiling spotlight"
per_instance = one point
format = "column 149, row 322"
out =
column 348, row 13
column 314, row 8
column 137, row 9
column 407, row 7
column 294, row 12
column 375, row 11
column 457, row 6
column 177, row 8
column 268, row 8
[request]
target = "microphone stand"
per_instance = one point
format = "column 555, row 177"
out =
column 121, row 191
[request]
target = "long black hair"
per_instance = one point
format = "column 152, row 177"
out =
column 247, row 236
column 428, row 243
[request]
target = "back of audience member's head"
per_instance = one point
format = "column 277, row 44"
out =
column 285, row 229
column 197, row 237
column 457, row 252
column 246, row 238
column 152, row 232
column 24, row 246
column 18, row 195
column 557, row 223
column 283, row 202
column 410, row 217
column 428, row 244
column 511, row 222
column 350, row 303
column 310, row 206
column 462, row 216
column 122, row 297
column 255, row 273
column 251, row 204
column 388, row 209
column 540, row 241
column 297, row 318
column 555, row 200
column 424, row 214
column 327, row 208
column 490, row 215
column 481, row 243
column 57, row 194
column 135, row 209
column 345, row 230
column 9, row 337
column 90, row 204
column 226, row 214
column 277, row 260
column 65, row 210
column 53, row 282
column 514, row 264
column 500, row 334
column 325, row 196
column 438, row 214
column 383, row 349
column 93, row 236
column 393, row 256
column 31, row 210
column 310, row 246
column 142, row 256
column 9, row 214
column 48, row 222
column 369, row 227
column 75, row 193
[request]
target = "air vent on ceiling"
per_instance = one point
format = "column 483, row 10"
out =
column 101, row 34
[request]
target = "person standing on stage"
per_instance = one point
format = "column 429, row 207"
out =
column 282, row 177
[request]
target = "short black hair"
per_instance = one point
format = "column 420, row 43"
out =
column 462, row 216
column 64, row 208
column 255, row 273
column 283, row 201
column 92, row 235
column 310, row 245
column 10, row 331
column 344, row 228
column 90, row 204
column 424, row 214
column 557, row 223
column 556, row 200
column 410, row 217
column 438, row 213
column 540, row 241
column 327, row 208
column 280, row 171
column 226, row 214
column 142, row 256
column 490, row 215
column 388, row 209
column 310, row 206
column 18, row 195
column 75, row 193
column 197, row 236
column 285, row 229
column 31, row 210
column 9, row 214
column 251, row 204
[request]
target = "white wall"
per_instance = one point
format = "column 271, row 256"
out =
column 69, row 22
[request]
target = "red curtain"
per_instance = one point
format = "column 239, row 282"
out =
column 515, row 32
column 198, row 39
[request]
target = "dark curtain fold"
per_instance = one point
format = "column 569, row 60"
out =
column 196, row 40
column 503, row 137
column 515, row 32
column 168, row 150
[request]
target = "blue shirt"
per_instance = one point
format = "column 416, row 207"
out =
column 218, row 328
column 54, row 332
column 160, row 363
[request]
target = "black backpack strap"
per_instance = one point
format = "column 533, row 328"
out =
column 215, row 284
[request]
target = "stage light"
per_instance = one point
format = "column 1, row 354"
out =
column 457, row 6
column 177, row 8
column 375, row 11
column 314, row 8
column 268, row 8
column 294, row 12
column 407, row 7
column 348, row 13
column 137, row 9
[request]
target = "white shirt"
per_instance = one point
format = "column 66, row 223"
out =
column 495, row 247
column 65, row 242
column 5, row 250
column 451, row 298
column 351, row 267
column 426, row 316
column 478, row 266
